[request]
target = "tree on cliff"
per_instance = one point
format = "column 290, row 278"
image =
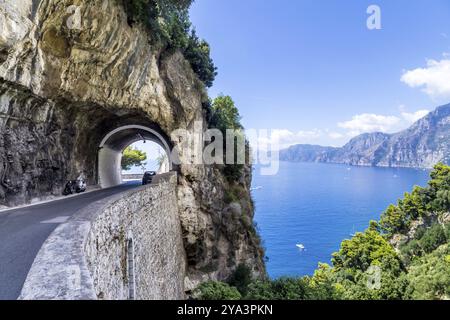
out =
column 213, row 290
column 225, row 114
column 172, row 29
column 133, row 157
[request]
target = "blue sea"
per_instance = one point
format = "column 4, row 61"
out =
column 319, row 205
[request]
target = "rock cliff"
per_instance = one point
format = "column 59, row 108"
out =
column 424, row 144
column 63, row 88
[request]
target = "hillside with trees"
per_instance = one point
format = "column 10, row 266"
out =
column 409, row 247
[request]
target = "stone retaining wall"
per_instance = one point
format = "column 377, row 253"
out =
column 127, row 246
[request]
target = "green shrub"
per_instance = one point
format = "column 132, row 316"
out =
column 410, row 250
column 233, row 172
column 321, row 287
column 438, row 187
column 225, row 116
column 397, row 219
column 289, row 289
column 364, row 250
column 429, row 277
column 139, row 11
column 433, row 238
column 434, row 198
column 442, row 201
column 198, row 53
column 230, row 197
column 241, row 278
column 323, row 284
column 393, row 287
column 393, row 220
column 420, row 233
column 214, row 290
column 235, row 193
column 171, row 28
column 260, row 290
column 447, row 231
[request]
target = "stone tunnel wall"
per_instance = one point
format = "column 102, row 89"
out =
column 88, row 257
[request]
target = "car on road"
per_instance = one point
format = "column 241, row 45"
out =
column 148, row 177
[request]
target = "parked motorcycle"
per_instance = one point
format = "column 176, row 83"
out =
column 75, row 186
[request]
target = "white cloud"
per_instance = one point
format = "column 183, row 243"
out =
column 410, row 118
column 434, row 78
column 363, row 123
column 336, row 135
column 280, row 139
column 368, row 122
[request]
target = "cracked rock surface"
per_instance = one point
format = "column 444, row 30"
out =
column 62, row 90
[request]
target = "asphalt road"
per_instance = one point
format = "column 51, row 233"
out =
column 24, row 230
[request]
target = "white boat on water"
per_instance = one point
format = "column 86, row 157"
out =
column 300, row 246
column 353, row 234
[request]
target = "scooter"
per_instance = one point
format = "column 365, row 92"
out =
column 75, row 186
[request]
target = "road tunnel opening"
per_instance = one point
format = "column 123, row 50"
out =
column 46, row 144
column 115, row 142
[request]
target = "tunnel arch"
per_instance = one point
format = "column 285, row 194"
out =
column 113, row 144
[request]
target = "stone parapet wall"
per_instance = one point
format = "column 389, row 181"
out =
column 129, row 241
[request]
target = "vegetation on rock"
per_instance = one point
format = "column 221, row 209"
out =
column 214, row 290
column 171, row 29
column 225, row 116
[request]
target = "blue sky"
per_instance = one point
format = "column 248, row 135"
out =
column 314, row 71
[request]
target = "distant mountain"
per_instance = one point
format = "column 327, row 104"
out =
column 307, row 153
column 424, row 144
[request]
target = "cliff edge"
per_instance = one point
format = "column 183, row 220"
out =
column 62, row 88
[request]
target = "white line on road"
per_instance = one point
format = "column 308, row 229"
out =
column 56, row 220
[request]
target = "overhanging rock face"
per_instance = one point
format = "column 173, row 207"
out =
column 126, row 247
column 62, row 90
